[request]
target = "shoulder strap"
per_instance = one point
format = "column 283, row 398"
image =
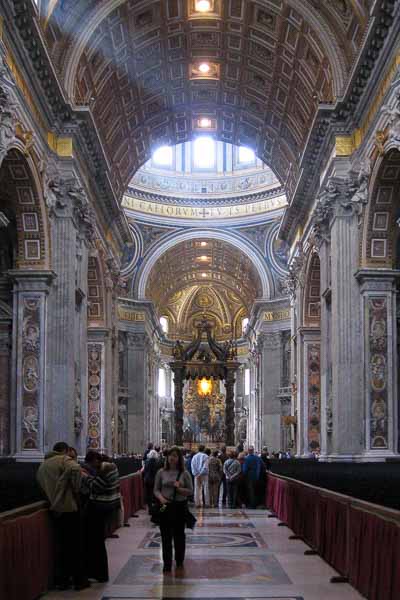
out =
column 177, row 479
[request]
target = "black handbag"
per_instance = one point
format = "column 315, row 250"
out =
column 190, row 519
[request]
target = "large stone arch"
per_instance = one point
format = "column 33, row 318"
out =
column 231, row 238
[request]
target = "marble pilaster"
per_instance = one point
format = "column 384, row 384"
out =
column 29, row 353
column 380, row 375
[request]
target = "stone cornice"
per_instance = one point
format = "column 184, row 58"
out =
column 192, row 201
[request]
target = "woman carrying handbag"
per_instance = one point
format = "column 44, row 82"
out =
column 172, row 487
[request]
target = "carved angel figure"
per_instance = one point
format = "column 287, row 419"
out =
column 393, row 113
column 8, row 121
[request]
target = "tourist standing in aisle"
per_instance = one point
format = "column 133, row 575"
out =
column 101, row 482
column 214, row 478
column 60, row 477
column 200, row 473
column 223, row 457
column 172, row 487
column 232, row 470
column 252, row 471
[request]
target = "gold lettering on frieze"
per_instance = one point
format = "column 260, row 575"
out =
column 277, row 315
column 194, row 212
column 125, row 314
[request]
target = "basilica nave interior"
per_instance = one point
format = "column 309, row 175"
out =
column 199, row 227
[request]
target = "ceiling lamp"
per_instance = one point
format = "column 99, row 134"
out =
column 203, row 5
column 203, row 258
column 205, row 122
column 204, row 68
column 204, row 387
column 204, row 274
column 203, row 243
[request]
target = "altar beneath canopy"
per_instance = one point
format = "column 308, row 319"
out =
column 204, row 412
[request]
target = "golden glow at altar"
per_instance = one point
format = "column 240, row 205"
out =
column 204, row 387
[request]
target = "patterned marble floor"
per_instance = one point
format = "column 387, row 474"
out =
column 232, row 555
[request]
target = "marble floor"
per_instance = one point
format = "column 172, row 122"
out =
column 231, row 555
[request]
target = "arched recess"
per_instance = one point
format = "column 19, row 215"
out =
column 381, row 224
column 96, row 296
column 24, row 277
column 267, row 284
column 22, row 204
column 312, row 292
column 312, row 352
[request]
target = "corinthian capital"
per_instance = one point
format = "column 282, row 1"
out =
column 356, row 189
column 8, row 111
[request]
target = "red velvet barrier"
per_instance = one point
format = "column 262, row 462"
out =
column 333, row 533
column 374, row 556
column 26, row 554
column 132, row 494
column 358, row 539
column 26, row 546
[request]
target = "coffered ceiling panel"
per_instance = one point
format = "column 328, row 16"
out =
column 136, row 64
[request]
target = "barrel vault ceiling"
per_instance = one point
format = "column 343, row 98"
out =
column 135, row 64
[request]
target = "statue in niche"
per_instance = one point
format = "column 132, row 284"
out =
column 177, row 351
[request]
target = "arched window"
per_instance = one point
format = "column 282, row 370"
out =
column 163, row 156
column 246, row 155
column 162, row 387
column 204, row 153
column 164, row 324
column 245, row 322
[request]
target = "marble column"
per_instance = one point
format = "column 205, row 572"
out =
column 5, row 376
column 30, row 344
column 347, row 438
column 309, row 412
column 230, row 408
column 62, row 329
column 178, row 404
column 137, row 395
column 326, row 348
column 270, row 366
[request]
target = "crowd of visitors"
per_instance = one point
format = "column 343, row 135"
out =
column 235, row 478
column 83, row 498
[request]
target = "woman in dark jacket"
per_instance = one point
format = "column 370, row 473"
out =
column 172, row 487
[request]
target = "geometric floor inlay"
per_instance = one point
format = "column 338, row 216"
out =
column 213, row 525
column 265, row 569
column 211, row 540
column 214, row 598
